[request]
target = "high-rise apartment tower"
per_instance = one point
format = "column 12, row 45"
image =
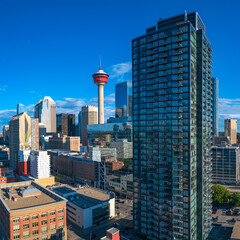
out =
column 215, row 106
column 172, row 111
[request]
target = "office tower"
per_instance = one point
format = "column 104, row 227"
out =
column 225, row 164
column 80, row 125
column 215, row 106
column 230, row 129
column 35, row 134
column 31, row 211
column 123, row 99
column 89, row 116
column 172, row 96
column 42, row 130
column 39, row 164
column 100, row 79
column 45, row 111
column 66, row 124
column 19, row 137
column 6, row 134
column 21, row 108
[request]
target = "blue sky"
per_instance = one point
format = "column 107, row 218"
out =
column 52, row 48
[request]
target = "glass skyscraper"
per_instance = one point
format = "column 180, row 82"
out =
column 21, row 108
column 172, row 129
column 123, row 99
column 215, row 106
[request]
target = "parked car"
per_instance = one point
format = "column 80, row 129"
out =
column 214, row 212
column 228, row 212
column 236, row 211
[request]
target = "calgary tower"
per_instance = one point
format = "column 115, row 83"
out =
column 100, row 78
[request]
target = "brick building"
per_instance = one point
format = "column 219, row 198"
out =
column 6, row 175
column 30, row 211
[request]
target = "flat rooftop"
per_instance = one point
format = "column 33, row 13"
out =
column 85, row 196
column 236, row 231
column 34, row 195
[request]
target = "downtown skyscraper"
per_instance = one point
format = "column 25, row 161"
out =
column 123, row 99
column 45, row 111
column 172, row 125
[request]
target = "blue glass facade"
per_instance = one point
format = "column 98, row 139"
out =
column 172, row 130
column 21, row 108
column 123, row 99
column 215, row 106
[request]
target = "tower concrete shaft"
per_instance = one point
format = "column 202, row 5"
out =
column 100, row 104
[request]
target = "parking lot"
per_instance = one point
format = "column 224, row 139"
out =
column 224, row 219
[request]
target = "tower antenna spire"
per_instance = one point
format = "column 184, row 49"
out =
column 100, row 62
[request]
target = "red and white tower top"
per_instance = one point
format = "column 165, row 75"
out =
column 100, row 79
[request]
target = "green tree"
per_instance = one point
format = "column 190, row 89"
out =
column 57, row 179
column 221, row 195
column 235, row 199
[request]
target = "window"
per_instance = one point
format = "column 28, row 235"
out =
column 52, row 227
column 16, row 220
column 26, row 234
column 44, row 215
column 16, row 236
column 60, row 218
column 60, row 210
column 44, row 229
column 52, row 213
column 35, row 224
column 26, row 218
column 44, row 222
column 60, row 225
column 25, row 226
column 35, row 216
column 16, row 228
column 35, row 232
column 52, row 220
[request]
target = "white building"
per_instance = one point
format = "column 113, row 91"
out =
column 39, row 164
column 86, row 205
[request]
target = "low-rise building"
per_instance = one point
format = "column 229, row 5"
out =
column 122, row 184
column 112, row 234
column 6, row 175
column 225, row 164
column 124, row 148
column 64, row 142
column 30, row 211
column 87, row 206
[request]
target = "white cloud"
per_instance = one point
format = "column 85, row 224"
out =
column 121, row 71
column 3, row 88
column 5, row 116
column 228, row 108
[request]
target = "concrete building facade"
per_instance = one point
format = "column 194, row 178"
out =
column 19, row 137
column 87, row 206
column 230, row 129
column 124, row 148
column 89, row 116
column 40, row 164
